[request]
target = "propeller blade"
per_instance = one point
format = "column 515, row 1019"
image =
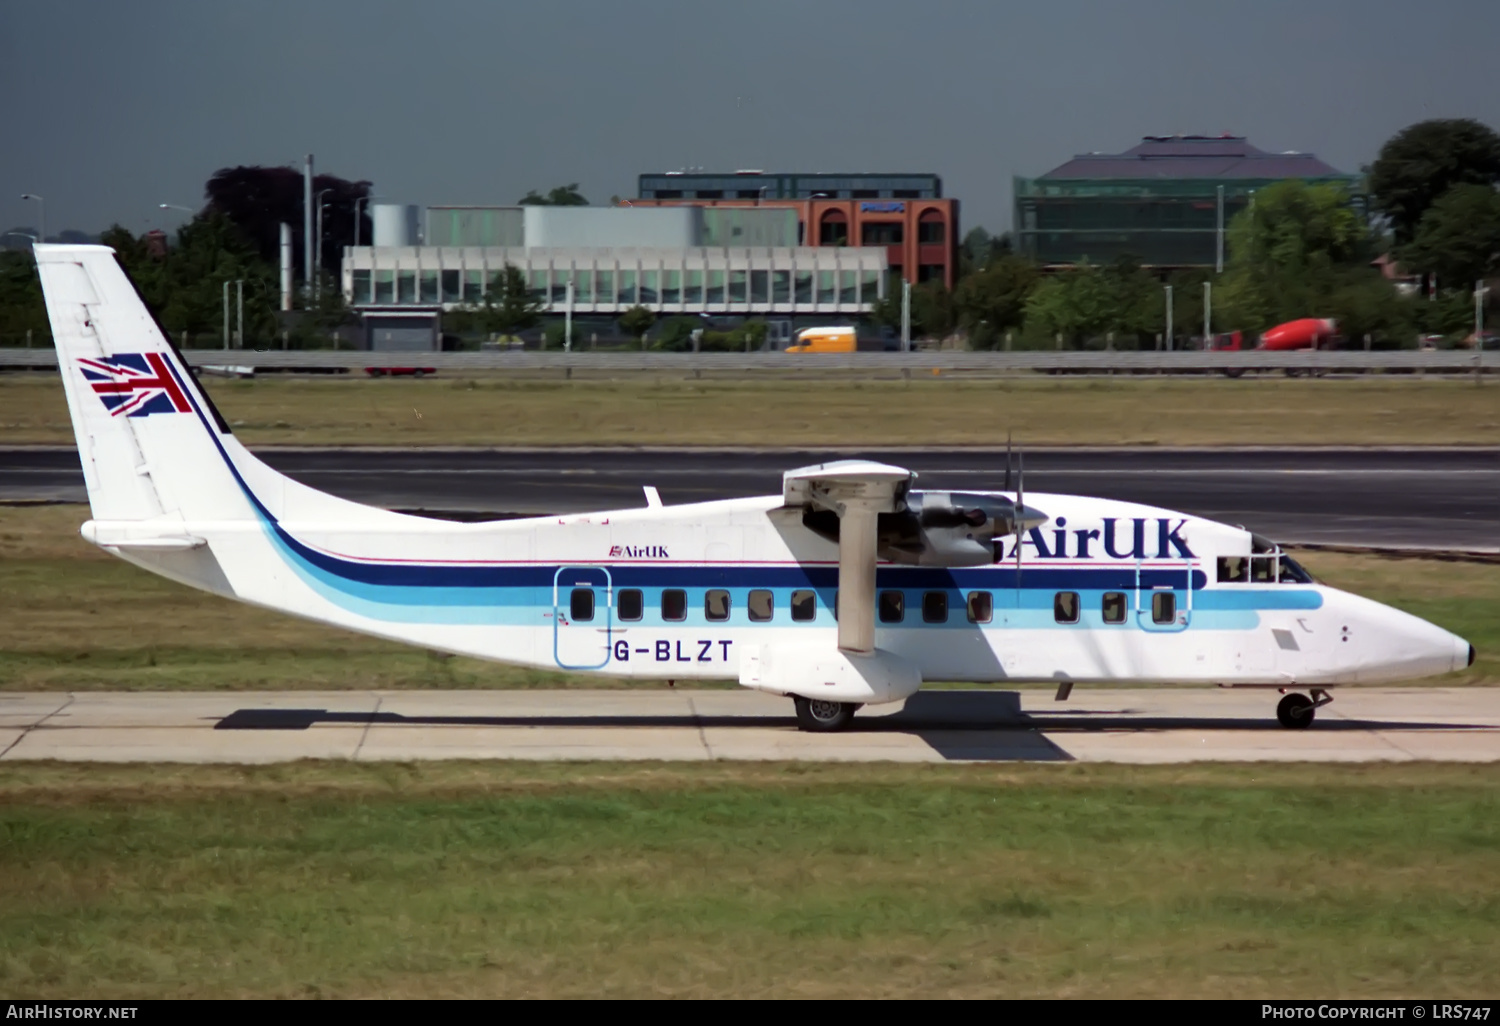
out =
column 1020, row 509
column 1007, row 462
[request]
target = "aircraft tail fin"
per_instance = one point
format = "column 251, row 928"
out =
column 152, row 445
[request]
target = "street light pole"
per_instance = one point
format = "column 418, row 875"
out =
column 41, row 215
column 318, row 244
column 307, row 223
column 1219, row 235
column 359, row 202
column 1169, row 318
column 240, row 330
column 1208, row 311
column 905, row 316
column 1479, row 291
column 226, row 313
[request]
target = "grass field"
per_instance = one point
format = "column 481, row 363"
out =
column 511, row 880
column 646, row 410
column 74, row 618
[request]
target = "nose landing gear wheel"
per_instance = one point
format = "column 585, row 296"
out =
column 821, row 717
column 1296, row 712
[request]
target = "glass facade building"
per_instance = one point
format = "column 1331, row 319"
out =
column 1158, row 203
column 714, row 281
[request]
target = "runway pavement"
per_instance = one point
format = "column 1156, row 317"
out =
column 1419, row 497
column 1159, row 725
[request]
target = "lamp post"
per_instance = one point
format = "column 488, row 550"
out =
column 41, row 215
column 1169, row 317
column 318, row 243
column 359, row 202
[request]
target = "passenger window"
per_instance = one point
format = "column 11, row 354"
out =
column 935, row 607
column 716, row 604
column 892, row 606
column 1065, row 607
column 981, row 607
column 804, row 605
column 581, row 605
column 631, row 606
column 1233, row 569
column 674, row 604
column 1163, row 607
column 762, row 606
column 1114, row 607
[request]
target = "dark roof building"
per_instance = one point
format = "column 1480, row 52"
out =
column 1163, row 202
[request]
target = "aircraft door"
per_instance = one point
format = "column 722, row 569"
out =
column 582, row 607
column 1164, row 597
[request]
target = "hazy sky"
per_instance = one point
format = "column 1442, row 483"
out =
column 113, row 107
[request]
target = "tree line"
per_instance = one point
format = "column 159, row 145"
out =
column 1299, row 250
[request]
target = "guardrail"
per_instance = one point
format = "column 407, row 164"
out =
column 1439, row 361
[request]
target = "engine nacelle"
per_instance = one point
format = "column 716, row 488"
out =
column 946, row 529
column 935, row 528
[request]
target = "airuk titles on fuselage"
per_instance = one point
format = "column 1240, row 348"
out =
column 1116, row 538
column 638, row 552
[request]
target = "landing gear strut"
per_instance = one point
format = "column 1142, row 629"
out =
column 822, row 717
column 1296, row 712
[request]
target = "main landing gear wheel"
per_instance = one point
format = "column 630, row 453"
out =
column 822, row 717
column 1296, row 711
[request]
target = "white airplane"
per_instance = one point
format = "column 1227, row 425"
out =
column 849, row 588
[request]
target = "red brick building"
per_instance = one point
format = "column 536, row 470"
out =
column 918, row 228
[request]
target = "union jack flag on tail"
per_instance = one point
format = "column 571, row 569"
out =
column 135, row 384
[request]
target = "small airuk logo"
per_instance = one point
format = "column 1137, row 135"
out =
column 638, row 552
column 134, row 384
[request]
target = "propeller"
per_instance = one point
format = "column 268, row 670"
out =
column 1020, row 512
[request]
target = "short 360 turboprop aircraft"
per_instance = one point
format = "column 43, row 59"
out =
column 850, row 587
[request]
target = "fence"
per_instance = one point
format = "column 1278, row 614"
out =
column 985, row 363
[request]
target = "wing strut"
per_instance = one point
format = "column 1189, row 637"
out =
column 858, row 492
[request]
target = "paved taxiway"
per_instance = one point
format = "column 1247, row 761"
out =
column 1158, row 725
column 1420, row 497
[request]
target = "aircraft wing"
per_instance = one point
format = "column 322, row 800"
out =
column 858, row 491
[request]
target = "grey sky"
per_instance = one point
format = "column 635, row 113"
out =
column 112, row 108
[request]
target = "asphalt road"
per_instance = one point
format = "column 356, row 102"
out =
column 1421, row 498
column 1139, row 725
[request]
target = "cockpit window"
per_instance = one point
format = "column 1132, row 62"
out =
column 1292, row 572
column 1263, row 569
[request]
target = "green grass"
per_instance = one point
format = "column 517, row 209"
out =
column 510, row 880
column 793, row 410
column 73, row 618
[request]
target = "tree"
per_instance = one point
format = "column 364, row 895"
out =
column 636, row 321
column 562, row 196
column 184, row 287
column 1459, row 236
column 1420, row 163
column 993, row 300
column 1087, row 301
column 676, row 334
column 257, row 200
column 1287, row 255
column 979, row 248
column 509, row 306
column 932, row 310
column 21, row 306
